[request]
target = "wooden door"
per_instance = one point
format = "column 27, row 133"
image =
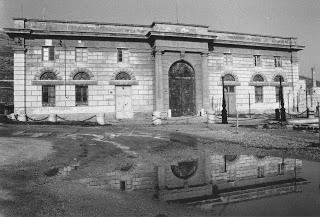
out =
column 181, row 87
column 230, row 96
column 123, row 102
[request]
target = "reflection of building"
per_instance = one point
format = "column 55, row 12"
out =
column 213, row 179
column 70, row 68
column 227, row 178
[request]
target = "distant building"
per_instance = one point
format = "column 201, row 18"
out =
column 76, row 69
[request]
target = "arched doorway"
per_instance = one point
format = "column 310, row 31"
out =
column 182, row 89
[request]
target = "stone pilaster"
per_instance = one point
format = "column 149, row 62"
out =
column 205, row 83
column 19, row 81
column 158, row 81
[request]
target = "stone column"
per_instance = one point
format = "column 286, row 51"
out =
column 158, row 81
column 205, row 83
column 19, row 81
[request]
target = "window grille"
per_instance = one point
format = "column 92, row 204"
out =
column 81, row 76
column 229, row 77
column 123, row 76
column 258, row 78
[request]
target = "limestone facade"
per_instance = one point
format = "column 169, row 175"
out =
column 147, row 54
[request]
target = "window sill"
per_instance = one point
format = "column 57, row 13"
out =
column 123, row 82
column 61, row 82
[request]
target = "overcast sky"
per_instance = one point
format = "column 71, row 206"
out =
column 300, row 18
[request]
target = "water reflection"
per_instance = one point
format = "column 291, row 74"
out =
column 218, row 179
column 268, row 185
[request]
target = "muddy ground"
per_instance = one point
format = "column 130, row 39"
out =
column 34, row 160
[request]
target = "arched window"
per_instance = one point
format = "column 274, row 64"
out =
column 258, row 89
column 48, row 76
column 231, row 158
column 81, row 89
column 229, row 77
column 258, row 78
column 48, row 91
column 81, row 76
column 123, row 76
column 277, row 78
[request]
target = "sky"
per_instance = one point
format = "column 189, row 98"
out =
column 290, row 18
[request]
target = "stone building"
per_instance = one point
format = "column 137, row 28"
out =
column 77, row 69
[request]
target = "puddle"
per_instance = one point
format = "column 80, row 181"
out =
column 231, row 185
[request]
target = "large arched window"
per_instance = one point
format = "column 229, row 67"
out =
column 48, row 91
column 277, row 78
column 81, row 91
column 258, row 78
column 48, row 76
column 258, row 89
column 229, row 77
column 81, row 76
column 123, row 76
